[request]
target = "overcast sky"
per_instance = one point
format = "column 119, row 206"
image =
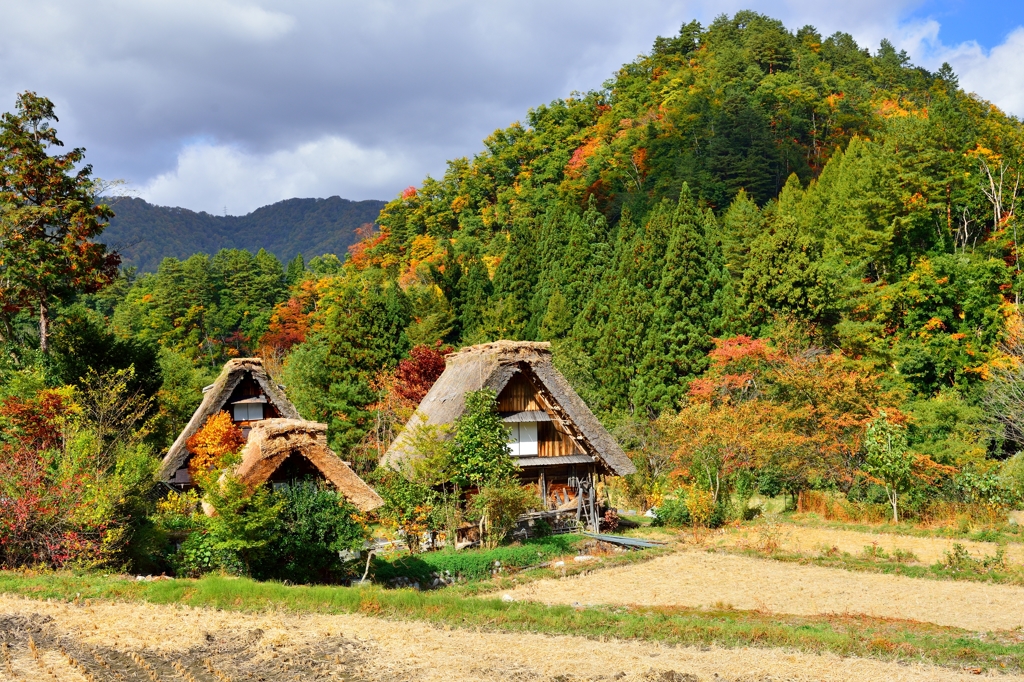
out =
column 233, row 104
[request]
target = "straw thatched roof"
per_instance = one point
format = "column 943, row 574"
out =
column 272, row 441
column 492, row 365
column 214, row 400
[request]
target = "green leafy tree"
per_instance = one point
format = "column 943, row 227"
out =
column 480, row 453
column 49, row 217
column 362, row 331
column 889, row 459
column 246, row 523
column 317, row 524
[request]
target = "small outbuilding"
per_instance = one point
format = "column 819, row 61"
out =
column 280, row 451
column 556, row 441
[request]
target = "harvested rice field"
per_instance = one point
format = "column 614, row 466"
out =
column 698, row 578
column 128, row 642
column 928, row 550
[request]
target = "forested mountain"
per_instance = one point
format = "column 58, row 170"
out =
column 144, row 234
column 766, row 258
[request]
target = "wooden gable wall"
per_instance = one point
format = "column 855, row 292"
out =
column 520, row 395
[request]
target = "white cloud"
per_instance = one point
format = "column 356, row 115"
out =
column 263, row 82
column 214, row 177
column 996, row 75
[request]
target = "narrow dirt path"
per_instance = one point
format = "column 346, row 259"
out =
column 699, row 578
column 379, row 650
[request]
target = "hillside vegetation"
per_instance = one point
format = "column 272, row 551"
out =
column 145, row 234
column 770, row 261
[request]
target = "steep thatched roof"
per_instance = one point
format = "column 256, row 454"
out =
column 214, row 401
column 272, row 441
column 492, row 365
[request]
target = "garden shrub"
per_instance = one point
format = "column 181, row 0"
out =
column 246, row 523
column 499, row 506
column 316, row 524
column 672, row 513
column 196, row 556
column 407, row 504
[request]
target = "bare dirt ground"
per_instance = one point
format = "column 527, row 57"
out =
column 128, row 642
column 698, row 578
column 803, row 539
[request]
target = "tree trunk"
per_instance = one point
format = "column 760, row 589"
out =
column 893, row 501
column 44, row 326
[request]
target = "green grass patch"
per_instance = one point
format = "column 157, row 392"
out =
column 474, row 564
column 843, row 635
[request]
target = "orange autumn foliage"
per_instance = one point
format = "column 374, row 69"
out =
column 802, row 412
column 291, row 321
column 218, row 437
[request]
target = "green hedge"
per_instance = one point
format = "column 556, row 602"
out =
column 474, row 564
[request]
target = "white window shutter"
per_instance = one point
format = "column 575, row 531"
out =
column 528, row 438
column 513, row 439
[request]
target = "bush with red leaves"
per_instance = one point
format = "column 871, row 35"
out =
column 47, row 504
column 417, row 373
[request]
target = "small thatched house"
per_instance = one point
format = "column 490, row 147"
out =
column 284, row 450
column 245, row 391
column 556, row 440
column 280, row 447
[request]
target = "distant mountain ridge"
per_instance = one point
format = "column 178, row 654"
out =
column 145, row 234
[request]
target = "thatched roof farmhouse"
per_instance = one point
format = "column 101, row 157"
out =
column 280, row 446
column 243, row 389
column 556, row 440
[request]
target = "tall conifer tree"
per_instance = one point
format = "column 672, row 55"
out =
column 686, row 313
column 514, row 283
column 630, row 311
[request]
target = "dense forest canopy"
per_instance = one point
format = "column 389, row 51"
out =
column 747, row 248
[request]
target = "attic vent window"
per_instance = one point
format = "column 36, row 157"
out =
column 248, row 410
column 523, row 439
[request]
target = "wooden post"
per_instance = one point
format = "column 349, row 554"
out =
column 593, row 509
column 543, row 485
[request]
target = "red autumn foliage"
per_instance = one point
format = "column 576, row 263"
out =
column 35, row 423
column 804, row 411
column 409, row 192
column 420, row 370
column 742, row 348
column 360, row 252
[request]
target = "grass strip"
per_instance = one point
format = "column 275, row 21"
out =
column 1006, row 534
column 475, row 565
column 508, row 581
column 843, row 635
column 1007, row 575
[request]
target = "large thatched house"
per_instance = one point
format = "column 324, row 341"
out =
column 556, row 440
column 280, row 446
